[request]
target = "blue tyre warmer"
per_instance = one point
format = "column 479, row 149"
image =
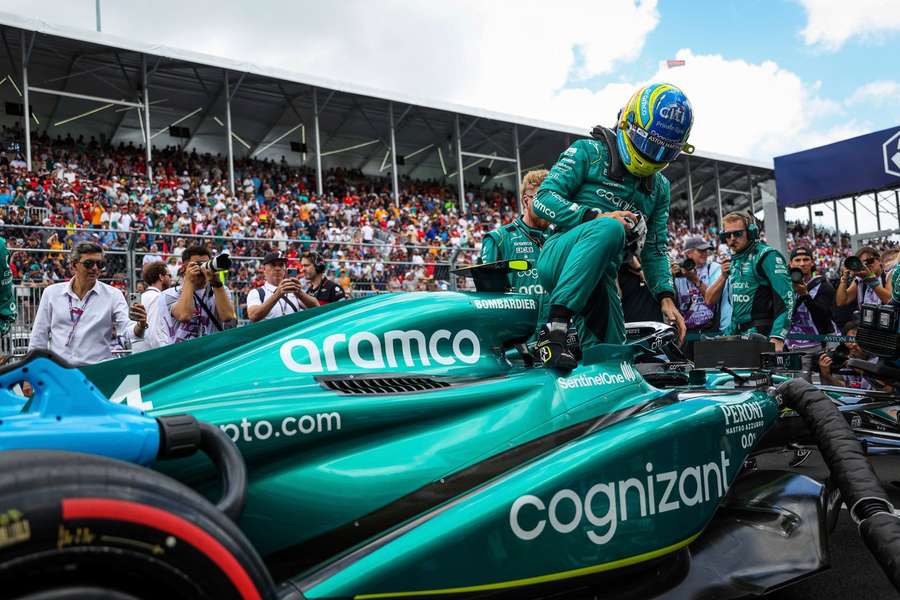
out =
column 67, row 412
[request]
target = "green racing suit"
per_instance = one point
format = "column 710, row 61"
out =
column 518, row 241
column 7, row 299
column 579, row 263
column 762, row 297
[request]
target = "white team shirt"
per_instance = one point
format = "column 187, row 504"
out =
column 82, row 332
column 148, row 299
column 281, row 307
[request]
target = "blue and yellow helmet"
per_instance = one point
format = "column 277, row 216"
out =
column 653, row 128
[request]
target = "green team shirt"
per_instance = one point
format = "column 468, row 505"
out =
column 7, row 300
column 516, row 241
column 579, row 184
column 762, row 297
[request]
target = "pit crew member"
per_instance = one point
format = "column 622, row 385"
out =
column 762, row 297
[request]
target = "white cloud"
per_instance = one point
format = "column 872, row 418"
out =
column 830, row 23
column 877, row 92
column 740, row 108
column 472, row 52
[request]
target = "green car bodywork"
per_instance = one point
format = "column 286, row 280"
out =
column 395, row 447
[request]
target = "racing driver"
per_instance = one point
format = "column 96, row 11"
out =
column 762, row 296
column 601, row 192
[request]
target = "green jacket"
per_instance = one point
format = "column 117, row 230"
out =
column 762, row 297
column 516, row 241
column 895, row 286
column 580, row 185
column 7, row 299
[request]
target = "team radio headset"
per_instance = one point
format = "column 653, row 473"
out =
column 319, row 266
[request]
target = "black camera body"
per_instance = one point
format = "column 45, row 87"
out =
column 853, row 263
column 687, row 264
column 796, row 275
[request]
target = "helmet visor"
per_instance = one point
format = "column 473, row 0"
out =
column 652, row 146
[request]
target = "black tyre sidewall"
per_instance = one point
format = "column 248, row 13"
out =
column 96, row 521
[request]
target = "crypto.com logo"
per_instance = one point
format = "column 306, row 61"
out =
column 891, row 151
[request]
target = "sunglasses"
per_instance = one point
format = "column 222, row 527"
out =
column 869, row 261
column 90, row 264
column 735, row 234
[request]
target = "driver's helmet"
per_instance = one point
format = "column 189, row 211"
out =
column 653, row 128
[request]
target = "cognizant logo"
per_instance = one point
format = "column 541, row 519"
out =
column 605, row 505
column 367, row 350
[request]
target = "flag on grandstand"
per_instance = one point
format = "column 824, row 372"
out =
column 674, row 63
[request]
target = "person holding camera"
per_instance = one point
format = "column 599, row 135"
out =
column 762, row 297
column 201, row 305
column 157, row 278
column 279, row 295
column 80, row 319
column 813, row 299
column 864, row 280
column 693, row 277
column 320, row 287
column 832, row 364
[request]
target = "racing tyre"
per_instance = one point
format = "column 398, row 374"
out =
column 71, row 522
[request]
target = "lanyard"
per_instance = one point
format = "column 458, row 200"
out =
column 524, row 229
column 75, row 314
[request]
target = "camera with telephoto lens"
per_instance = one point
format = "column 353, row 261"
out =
column 687, row 264
column 221, row 262
column 796, row 275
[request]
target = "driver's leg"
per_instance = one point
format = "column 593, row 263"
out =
column 578, row 270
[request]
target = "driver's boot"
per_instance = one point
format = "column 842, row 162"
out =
column 552, row 346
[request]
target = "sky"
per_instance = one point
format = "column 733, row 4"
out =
column 765, row 77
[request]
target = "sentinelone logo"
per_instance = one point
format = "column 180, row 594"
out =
column 628, row 375
column 367, row 350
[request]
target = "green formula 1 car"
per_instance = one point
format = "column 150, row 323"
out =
column 401, row 445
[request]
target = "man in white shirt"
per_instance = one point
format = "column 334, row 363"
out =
column 201, row 305
column 277, row 296
column 80, row 319
column 158, row 279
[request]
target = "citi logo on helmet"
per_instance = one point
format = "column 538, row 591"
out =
column 367, row 350
column 673, row 112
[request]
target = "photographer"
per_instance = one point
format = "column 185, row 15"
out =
column 80, row 319
column 320, row 287
column 273, row 298
column 831, row 364
column 201, row 305
column 863, row 280
column 813, row 298
column 693, row 277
